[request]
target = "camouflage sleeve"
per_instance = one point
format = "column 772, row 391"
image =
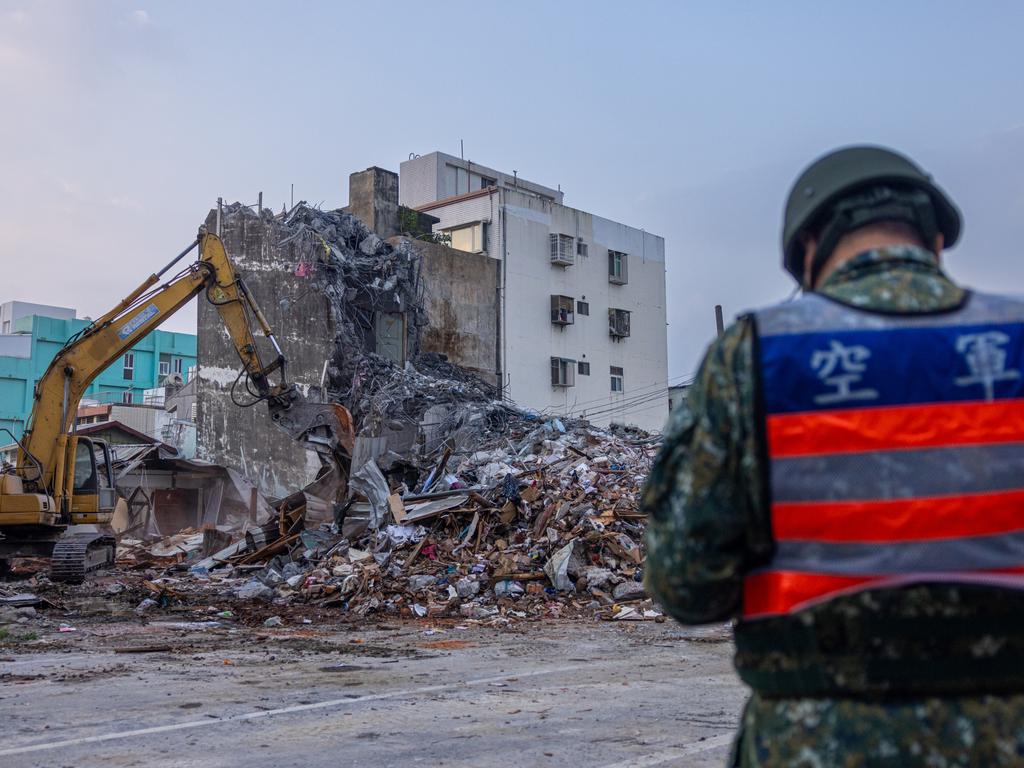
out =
column 707, row 521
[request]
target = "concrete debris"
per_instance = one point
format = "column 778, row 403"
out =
column 254, row 590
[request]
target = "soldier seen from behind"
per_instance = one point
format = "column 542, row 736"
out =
column 847, row 483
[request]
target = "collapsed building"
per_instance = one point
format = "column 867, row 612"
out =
column 397, row 330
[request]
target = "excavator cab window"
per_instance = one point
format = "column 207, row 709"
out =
column 105, row 473
column 94, row 474
column 85, row 467
column 104, row 464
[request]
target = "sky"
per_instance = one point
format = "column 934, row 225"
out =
column 122, row 123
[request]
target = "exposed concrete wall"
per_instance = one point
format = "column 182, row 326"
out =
column 244, row 438
column 460, row 294
column 460, row 289
column 373, row 199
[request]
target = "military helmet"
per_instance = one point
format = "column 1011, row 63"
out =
column 844, row 172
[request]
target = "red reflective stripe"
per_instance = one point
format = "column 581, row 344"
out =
column 920, row 519
column 775, row 592
column 814, row 433
column 780, row 591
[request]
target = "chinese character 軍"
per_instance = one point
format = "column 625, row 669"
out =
column 841, row 367
column 986, row 360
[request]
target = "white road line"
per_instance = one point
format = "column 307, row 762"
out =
column 55, row 662
column 281, row 711
column 668, row 755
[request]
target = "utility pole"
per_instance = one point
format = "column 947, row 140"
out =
column 719, row 322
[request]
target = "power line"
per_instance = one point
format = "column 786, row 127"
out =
column 622, row 406
column 602, row 404
column 661, row 385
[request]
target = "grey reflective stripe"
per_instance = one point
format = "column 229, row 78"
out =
column 813, row 313
column 965, row 554
column 899, row 474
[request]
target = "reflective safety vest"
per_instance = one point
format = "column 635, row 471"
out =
column 895, row 447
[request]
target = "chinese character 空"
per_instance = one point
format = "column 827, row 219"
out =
column 841, row 367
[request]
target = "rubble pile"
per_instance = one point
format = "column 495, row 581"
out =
column 382, row 392
column 539, row 521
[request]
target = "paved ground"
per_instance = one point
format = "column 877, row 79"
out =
column 607, row 695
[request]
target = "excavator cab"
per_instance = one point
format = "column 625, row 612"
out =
column 94, row 497
column 77, row 550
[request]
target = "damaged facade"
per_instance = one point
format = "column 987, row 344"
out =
column 460, row 289
column 349, row 312
column 333, row 292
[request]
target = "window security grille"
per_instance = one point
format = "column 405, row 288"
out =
column 618, row 323
column 562, row 250
column 562, row 310
column 563, row 372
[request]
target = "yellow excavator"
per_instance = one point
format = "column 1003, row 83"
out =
column 62, row 480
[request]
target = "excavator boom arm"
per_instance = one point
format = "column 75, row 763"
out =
column 85, row 356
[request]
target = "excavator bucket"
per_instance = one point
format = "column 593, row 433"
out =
column 323, row 427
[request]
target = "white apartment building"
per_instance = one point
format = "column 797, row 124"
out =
column 583, row 324
column 12, row 311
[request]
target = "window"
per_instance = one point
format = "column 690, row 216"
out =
column 563, row 372
column 618, row 267
column 165, row 365
column 126, row 397
column 129, row 366
column 617, row 377
column 485, row 183
column 582, row 308
column 471, row 238
column 562, row 250
column 178, row 363
column 561, row 310
column 583, row 368
column 581, row 247
column 85, row 467
column 193, row 411
column 618, row 323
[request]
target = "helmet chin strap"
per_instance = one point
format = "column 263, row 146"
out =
column 911, row 206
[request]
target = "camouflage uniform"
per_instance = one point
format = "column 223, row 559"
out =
column 709, row 524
